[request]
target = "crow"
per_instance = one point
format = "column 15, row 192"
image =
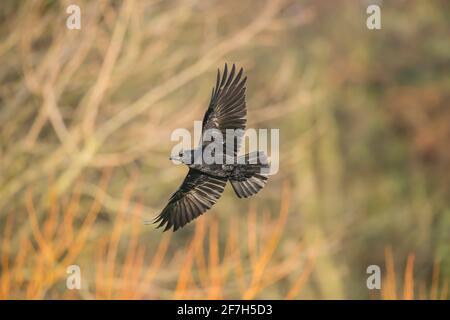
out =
column 204, row 183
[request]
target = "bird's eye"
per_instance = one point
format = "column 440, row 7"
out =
column 180, row 154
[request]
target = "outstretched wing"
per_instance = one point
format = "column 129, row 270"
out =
column 227, row 108
column 197, row 193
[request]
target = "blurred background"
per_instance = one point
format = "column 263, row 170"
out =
column 85, row 123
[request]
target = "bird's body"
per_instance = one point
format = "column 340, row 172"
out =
column 230, row 167
column 210, row 171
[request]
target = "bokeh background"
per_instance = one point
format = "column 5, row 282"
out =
column 364, row 119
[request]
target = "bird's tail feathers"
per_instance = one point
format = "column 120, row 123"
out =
column 256, row 175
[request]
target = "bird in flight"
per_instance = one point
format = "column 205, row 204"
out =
column 205, row 182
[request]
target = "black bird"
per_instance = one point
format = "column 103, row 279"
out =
column 205, row 183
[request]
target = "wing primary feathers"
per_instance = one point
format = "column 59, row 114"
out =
column 227, row 108
column 225, row 73
column 233, row 69
column 217, row 83
column 197, row 193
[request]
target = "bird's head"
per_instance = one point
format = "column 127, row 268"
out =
column 184, row 156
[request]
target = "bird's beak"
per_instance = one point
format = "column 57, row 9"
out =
column 175, row 158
